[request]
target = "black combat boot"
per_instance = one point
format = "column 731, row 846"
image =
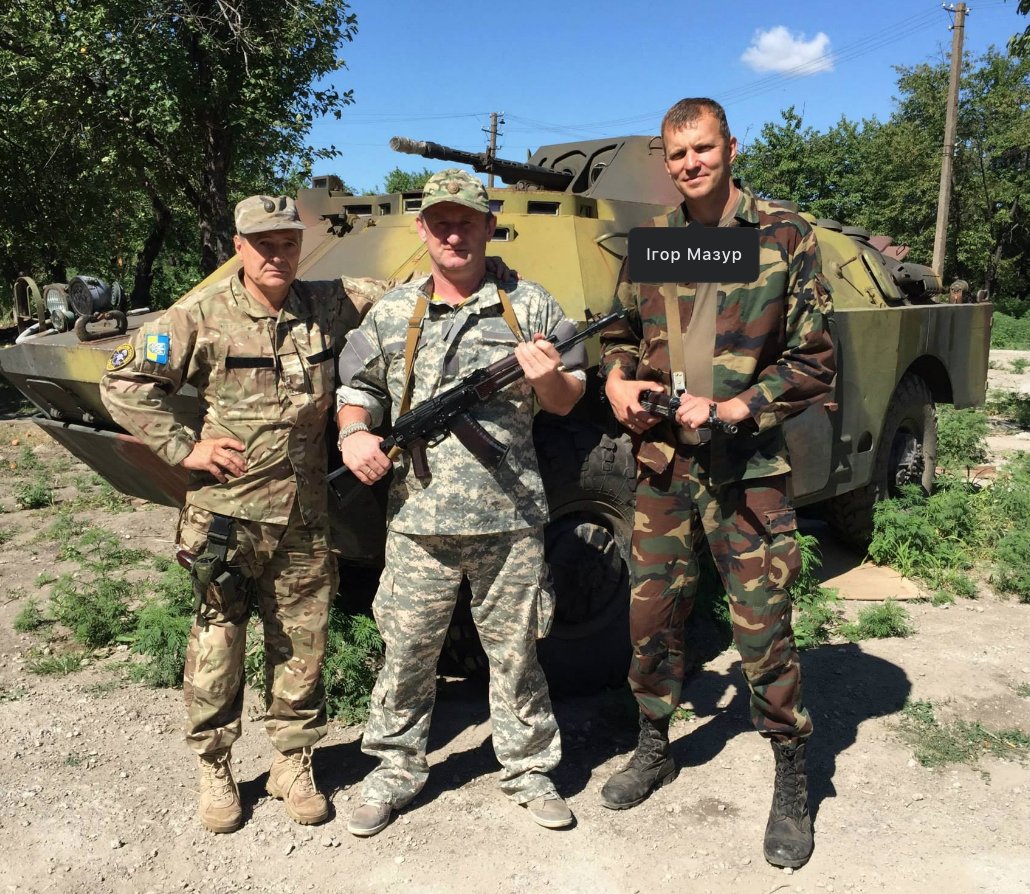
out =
column 788, row 834
column 649, row 769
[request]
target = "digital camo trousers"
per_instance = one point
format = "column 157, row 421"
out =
column 291, row 578
column 413, row 608
column 750, row 529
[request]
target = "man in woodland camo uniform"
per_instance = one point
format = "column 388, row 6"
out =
column 753, row 355
column 465, row 519
column 260, row 348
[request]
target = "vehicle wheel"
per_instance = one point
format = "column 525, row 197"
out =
column 589, row 478
column 906, row 454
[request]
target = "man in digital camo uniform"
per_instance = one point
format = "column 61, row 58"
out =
column 465, row 519
column 753, row 354
column 260, row 348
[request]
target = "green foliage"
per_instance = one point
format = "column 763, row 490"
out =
column 878, row 622
column 353, row 657
column 815, row 606
column 1012, row 572
column 64, row 527
column 942, row 597
column 101, row 551
column 34, row 494
column 97, row 613
column 30, row 617
column 1023, row 690
column 98, row 494
column 1010, row 333
column 162, row 630
column 961, row 437
column 936, row 744
column 5, row 535
column 1012, row 406
column 28, row 461
column 406, row 181
column 1019, row 365
column 12, row 694
column 54, row 665
column 146, row 122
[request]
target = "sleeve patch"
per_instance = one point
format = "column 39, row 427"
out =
column 123, row 355
column 156, row 350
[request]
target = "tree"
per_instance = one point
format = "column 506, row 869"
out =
column 1020, row 43
column 147, row 120
column 406, row 181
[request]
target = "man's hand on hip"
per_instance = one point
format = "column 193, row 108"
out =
column 221, row 457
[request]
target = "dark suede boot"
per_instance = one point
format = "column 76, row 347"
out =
column 650, row 767
column 788, row 834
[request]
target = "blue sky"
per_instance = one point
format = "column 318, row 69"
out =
column 567, row 70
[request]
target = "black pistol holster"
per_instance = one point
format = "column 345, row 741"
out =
column 215, row 582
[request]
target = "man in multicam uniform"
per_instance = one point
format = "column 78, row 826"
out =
column 260, row 348
column 754, row 354
column 465, row 519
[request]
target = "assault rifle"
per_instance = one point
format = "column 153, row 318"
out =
column 658, row 403
column 448, row 412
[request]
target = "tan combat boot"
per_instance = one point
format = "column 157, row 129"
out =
column 292, row 780
column 220, row 809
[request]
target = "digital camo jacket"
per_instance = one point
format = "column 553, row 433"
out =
column 462, row 496
column 772, row 347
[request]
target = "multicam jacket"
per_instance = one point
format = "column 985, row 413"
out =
column 265, row 379
column 462, row 496
column 772, row 346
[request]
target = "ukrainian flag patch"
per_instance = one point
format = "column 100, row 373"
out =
column 156, row 350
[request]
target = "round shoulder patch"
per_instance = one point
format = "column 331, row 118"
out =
column 122, row 356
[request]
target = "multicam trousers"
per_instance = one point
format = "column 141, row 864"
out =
column 413, row 608
column 291, row 577
column 750, row 529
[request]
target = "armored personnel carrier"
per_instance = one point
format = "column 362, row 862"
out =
column 563, row 220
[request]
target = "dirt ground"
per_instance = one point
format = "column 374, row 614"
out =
column 97, row 791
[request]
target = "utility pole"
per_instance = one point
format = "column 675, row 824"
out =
column 948, row 154
column 491, row 149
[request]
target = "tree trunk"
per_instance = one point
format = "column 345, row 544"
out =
column 144, row 278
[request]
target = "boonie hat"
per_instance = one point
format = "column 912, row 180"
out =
column 257, row 214
column 457, row 186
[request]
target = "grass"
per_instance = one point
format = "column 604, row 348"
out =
column 961, row 437
column 878, row 622
column 12, row 694
column 937, row 744
column 95, row 493
column 101, row 551
column 34, row 494
column 97, row 613
column 5, row 535
column 30, row 617
column 1019, row 365
column 55, row 665
column 1010, row 333
column 1023, row 690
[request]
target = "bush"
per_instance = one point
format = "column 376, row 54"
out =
column 1011, row 406
column 879, row 622
column 162, row 630
column 98, row 614
column 35, row 494
column 1010, row 333
column 961, row 437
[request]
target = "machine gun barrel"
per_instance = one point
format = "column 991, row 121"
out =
column 509, row 171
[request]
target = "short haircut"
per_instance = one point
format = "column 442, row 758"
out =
column 687, row 111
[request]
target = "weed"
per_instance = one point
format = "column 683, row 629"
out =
column 35, row 494
column 936, row 744
column 1012, row 569
column 64, row 527
column 353, row 657
column 73, row 760
column 99, row 494
column 1023, row 690
column 1010, row 405
column 961, row 437
column 30, row 617
column 5, row 535
column 97, row 613
column 683, row 714
column 101, row 551
column 815, row 606
column 879, row 622
column 162, row 630
column 99, row 690
column 28, row 461
column 1010, row 333
column 12, row 695
column 1019, row 365
column 942, row 597
column 55, row 665
column 44, row 578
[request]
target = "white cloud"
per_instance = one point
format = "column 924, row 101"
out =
column 779, row 50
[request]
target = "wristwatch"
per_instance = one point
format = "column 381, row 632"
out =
column 713, row 415
column 348, row 430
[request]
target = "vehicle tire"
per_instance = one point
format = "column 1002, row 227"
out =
column 906, row 454
column 588, row 477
